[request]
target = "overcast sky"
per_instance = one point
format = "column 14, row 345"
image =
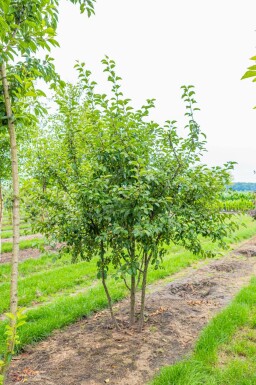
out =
column 160, row 45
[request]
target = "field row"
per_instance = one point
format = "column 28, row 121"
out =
column 49, row 281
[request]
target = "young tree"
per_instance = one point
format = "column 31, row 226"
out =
column 122, row 187
column 25, row 28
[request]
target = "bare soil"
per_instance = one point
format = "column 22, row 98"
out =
column 24, row 254
column 23, row 238
column 29, row 253
column 91, row 352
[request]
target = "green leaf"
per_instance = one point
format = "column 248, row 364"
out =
column 249, row 74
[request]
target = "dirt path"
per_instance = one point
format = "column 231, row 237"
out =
column 29, row 253
column 24, row 255
column 23, row 238
column 90, row 352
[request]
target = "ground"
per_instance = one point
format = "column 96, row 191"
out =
column 91, row 352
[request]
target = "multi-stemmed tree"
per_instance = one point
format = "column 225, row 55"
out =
column 121, row 187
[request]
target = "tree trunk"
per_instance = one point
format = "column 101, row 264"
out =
column 132, row 300
column 143, row 293
column 106, row 289
column 110, row 303
column 15, row 183
column 133, row 283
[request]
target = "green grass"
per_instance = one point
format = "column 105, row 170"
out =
column 32, row 266
column 7, row 246
column 225, row 353
column 46, row 279
column 64, row 311
column 8, row 227
column 38, row 286
column 8, row 222
column 8, row 233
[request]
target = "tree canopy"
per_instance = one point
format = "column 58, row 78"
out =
column 119, row 186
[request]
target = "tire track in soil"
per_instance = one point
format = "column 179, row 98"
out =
column 90, row 352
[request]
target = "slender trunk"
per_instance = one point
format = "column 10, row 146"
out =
column 106, row 289
column 132, row 300
column 44, row 191
column 15, row 182
column 143, row 292
column 133, row 285
column 110, row 303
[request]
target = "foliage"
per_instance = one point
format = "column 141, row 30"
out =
column 12, row 340
column 25, row 28
column 251, row 71
column 121, row 187
column 4, row 157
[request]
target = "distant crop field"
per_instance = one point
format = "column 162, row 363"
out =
column 238, row 201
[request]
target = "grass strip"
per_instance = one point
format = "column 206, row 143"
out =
column 36, row 288
column 8, row 227
column 32, row 266
column 7, row 246
column 9, row 222
column 205, row 366
column 8, row 233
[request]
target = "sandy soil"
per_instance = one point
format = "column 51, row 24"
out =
column 91, row 352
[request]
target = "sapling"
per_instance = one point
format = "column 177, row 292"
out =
column 12, row 341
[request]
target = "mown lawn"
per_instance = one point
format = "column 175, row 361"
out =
column 225, row 354
column 52, row 280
